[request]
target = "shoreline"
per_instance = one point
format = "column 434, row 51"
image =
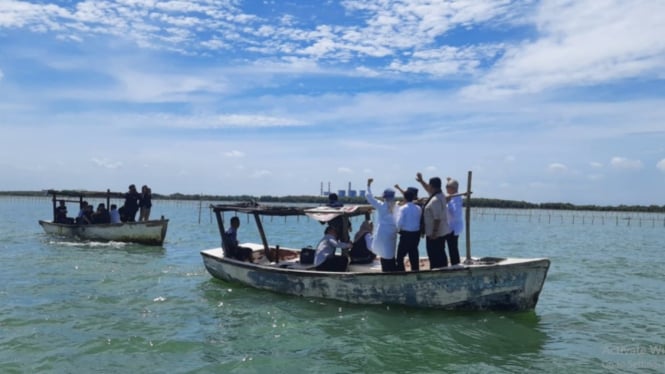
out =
column 478, row 202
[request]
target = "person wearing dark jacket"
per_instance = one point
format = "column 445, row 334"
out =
column 128, row 211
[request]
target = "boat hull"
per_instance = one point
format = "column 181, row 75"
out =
column 146, row 232
column 510, row 284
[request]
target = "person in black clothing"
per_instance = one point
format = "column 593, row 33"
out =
column 145, row 203
column 128, row 211
column 61, row 213
column 101, row 215
column 361, row 252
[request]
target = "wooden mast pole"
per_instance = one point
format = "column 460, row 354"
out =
column 468, row 219
column 264, row 240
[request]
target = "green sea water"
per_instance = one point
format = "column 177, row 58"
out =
column 81, row 307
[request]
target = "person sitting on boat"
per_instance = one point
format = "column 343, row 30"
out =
column 230, row 243
column 101, row 215
column 341, row 223
column 325, row 258
column 114, row 214
column 61, row 213
column 361, row 252
column 85, row 214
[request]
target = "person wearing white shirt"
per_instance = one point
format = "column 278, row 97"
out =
column 325, row 258
column 455, row 221
column 408, row 226
column 385, row 239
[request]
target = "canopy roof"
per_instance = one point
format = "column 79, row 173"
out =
column 321, row 213
column 84, row 193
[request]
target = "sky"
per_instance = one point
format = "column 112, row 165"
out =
column 543, row 101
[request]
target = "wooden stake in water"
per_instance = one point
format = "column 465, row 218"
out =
column 468, row 218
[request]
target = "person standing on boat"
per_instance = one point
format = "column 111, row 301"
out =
column 361, row 252
column 435, row 222
column 145, row 203
column 454, row 208
column 325, row 258
column 408, row 226
column 385, row 238
column 128, row 211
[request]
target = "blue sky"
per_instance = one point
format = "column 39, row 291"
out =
column 545, row 101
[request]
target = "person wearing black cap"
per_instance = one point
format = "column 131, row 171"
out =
column 408, row 226
column 435, row 222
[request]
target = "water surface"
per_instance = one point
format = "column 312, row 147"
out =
column 68, row 306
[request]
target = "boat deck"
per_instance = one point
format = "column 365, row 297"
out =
column 290, row 259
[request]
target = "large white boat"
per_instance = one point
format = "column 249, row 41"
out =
column 150, row 232
column 478, row 284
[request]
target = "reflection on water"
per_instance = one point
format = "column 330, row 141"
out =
column 331, row 332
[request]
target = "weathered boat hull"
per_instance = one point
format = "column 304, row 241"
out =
column 509, row 284
column 146, row 232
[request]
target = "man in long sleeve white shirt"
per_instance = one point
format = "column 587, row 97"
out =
column 325, row 259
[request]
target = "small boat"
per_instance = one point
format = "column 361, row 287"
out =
column 487, row 283
column 150, row 232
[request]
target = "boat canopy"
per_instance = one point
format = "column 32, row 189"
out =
column 322, row 213
column 83, row 193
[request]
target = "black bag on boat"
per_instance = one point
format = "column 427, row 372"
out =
column 307, row 256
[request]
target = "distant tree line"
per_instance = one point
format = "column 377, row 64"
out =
column 318, row 200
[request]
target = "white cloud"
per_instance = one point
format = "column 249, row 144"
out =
column 581, row 43
column 556, row 167
column 253, row 120
column 622, row 163
column 595, row 164
column 344, row 170
column 261, row 174
column 661, row 165
column 106, row 163
column 234, row 154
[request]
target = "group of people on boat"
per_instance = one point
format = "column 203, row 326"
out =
column 136, row 202
column 87, row 214
column 397, row 235
column 399, row 229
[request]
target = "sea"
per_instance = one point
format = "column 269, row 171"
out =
column 70, row 306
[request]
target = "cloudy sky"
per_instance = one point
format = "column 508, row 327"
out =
column 545, row 101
